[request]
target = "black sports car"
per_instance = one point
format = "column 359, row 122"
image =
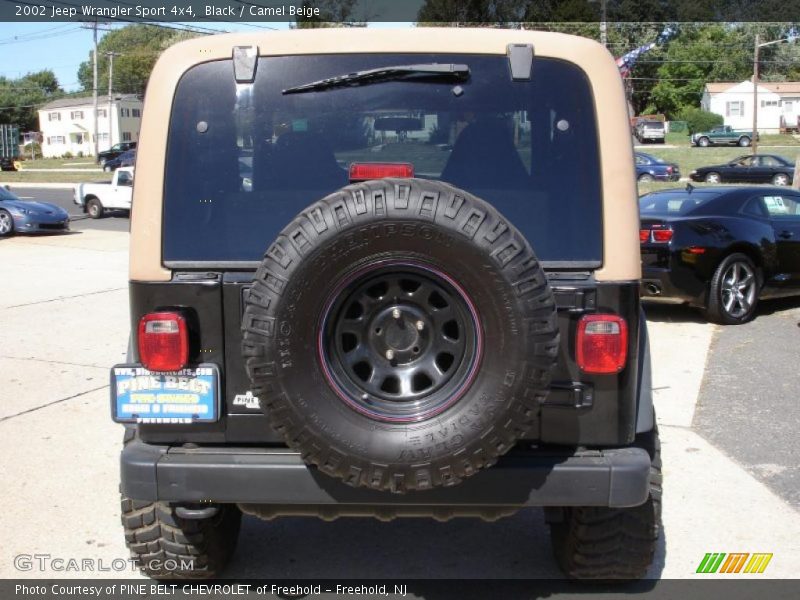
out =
column 720, row 248
column 758, row 168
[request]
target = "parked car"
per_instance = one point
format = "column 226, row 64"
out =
column 759, row 168
column 126, row 159
column 723, row 135
column 25, row 216
column 96, row 198
column 652, row 168
column 114, row 151
column 650, row 131
column 720, row 248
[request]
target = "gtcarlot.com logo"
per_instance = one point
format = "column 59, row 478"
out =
column 48, row 562
column 736, row 562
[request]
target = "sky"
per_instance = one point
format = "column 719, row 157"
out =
column 62, row 47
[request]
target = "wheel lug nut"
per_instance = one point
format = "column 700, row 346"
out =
column 396, row 313
column 390, row 354
column 420, row 325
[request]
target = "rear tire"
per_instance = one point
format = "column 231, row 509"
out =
column 713, row 177
column 167, row 546
column 736, row 273
column 703, row 142
column 645, row 178
column 744, row 141
column 781, row 179
column 94, row 208
column 601, row 543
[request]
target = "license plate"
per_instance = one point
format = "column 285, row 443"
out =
column 186, row 396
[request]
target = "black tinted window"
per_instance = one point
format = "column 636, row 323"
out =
column 674, row 203
column 244, row 159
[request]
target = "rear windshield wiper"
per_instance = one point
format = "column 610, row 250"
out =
column 433, row 70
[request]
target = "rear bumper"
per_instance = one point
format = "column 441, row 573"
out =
column 273, row 476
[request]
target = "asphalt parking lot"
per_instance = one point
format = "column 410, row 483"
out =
column 726, row 402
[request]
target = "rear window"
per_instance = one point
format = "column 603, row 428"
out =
column 674, row 203
column 653, row 125
column 244, row 159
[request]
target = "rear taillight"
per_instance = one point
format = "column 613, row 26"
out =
column 602, row 344
column 669, row 170
column 659, row 234
column 163, row 341
column 662, row 235
column 366, row 171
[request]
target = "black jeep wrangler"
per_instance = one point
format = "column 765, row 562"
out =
column 386, row 275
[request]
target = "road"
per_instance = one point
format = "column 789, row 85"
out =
column 64, row 310
column 113, row 221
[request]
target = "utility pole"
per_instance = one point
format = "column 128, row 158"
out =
column 110, row 97
column 754, row 138
column 94, row 92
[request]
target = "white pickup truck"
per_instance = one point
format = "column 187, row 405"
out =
column 96, row 198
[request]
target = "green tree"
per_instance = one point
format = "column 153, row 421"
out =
column 333, row 13
column 136, row 48
column 20, row 98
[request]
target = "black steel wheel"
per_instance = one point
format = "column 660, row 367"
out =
column 400, row 342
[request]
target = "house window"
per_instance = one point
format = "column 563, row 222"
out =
column 53, row 116
column 126, row 136
column 76, row 115
column 769, row 103
column 102, row 137
column 734, row 109
column 137, row 112
column 101, row 112
column 124, row 112
column 55, row 140
column 788, row 106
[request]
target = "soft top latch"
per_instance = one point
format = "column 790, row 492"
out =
column 520, row 60
column 245, row 60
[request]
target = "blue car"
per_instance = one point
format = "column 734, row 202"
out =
column 650, row 168
column 126, row 159
column 22, row 216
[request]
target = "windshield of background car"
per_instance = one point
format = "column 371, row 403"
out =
column 244, row 159
column 677, row 203
column 6, row 195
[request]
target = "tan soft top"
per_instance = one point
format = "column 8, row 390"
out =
column 620, row 207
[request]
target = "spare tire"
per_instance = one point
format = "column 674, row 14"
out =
column 400, row 334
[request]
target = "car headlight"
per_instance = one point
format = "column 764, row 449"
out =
column 19, row 211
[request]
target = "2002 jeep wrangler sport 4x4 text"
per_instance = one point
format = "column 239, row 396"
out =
column 387, row 275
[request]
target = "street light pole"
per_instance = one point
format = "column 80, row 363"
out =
column 754, row 138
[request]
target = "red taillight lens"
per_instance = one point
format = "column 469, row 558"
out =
column 163, row 341
column 669, row 170
column 662, row 235
column 602, row 344
column 366, row 171
column 644, row 235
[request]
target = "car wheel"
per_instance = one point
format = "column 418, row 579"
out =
column 733, row 290
column 780, row 179
column 713, row 177
column 703, row 142
column 94, row 209
column 6, row 223
column 388, row 362
column 601, row 543
column 744, row 141
column 646, row 178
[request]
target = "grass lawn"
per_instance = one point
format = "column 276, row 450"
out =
column 11, row 177
column 59, row 163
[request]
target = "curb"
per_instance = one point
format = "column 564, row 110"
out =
column 26, row 184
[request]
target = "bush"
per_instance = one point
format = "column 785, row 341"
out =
column 67, row 155
column 698, row 119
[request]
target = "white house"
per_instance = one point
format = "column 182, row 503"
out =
column 67, row 125
column 778, row 104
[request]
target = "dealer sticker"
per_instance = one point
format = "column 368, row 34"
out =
column 186, row 396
